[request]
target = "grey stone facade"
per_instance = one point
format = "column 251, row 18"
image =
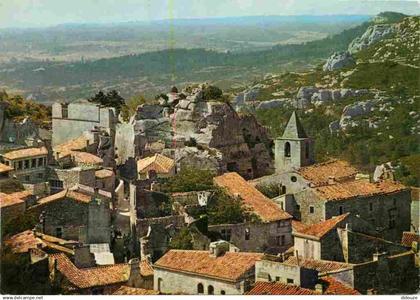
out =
column 273, row 237
column 69, row 121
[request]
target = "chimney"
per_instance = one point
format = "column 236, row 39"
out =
column 297, row 257
column 348, row 226
column 319, row 288
column 134, row 278
column 218, row 248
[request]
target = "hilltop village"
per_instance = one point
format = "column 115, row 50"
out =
column 191, row 197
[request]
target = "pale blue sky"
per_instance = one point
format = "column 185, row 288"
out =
column 29, row 13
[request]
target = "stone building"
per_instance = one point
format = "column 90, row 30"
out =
column 345, row 238
column 294, row 149
column 158, row 165
column 383, row 274
column 14, row 205
column 5, row 172
column 272, row 232
column 76, row 216
column 318, row 192
column 29, row 165
column 99, row 280
column 70, row 120
column 214, row 272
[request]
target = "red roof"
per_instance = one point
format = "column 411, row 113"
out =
column 259, row 204
column 321, row 266
column 319, row 174
column 13, row 198
column 357, row 188
column 320, row 229
column 229, row 266
column 409, row 237
column 277, row 288
column 335, row 287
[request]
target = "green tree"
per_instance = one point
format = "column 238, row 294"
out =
column 110, row 99
column 182, row 240
column 189, row 179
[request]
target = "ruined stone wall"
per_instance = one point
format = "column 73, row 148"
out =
column 142, row 225
column 12, row 211
column 388, row 275
column 260, row 237
column 72, row 177
column 69, row 215
column 360, row 247
column 99, row 222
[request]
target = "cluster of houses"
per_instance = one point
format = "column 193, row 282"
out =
column 330, row 230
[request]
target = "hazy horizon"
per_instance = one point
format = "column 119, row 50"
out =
column 47, row 13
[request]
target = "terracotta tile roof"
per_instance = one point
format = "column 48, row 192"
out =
column 22, row 242
column 24, row 153
column 335, row 287
column 252, row 198
column 4, row 168
column 358, row 188
column 104, row 173
column 14, row 198
column 77, row 144
column 230, row 266
column 409, row 237
column 158, row 162
column 63, row 195
column 127, row 290
column 298, row 226
column 146, row 268
column 321, row 266
column 91, row 277
column 319, row 174
column 86, row 158
column 318, row 230
column 277, row 288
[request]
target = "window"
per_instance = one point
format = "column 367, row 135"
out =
column 311, row 209
column 394, row 202
column 20, row 165
column 306, row 150
column 200, row 288
column 247, row 234
column 40, row 162
column 287, row 149
column 33, row 163
column 27, row 178
column 40, row 175
column 281, row 240
column 279, row 224
column 277, row 278
column 56, row 184
column 160, row 282
column 282, row 205
column 340, row 210
column 64, row 111
column 289, row 280
column 210, row 290
column 297, row 207
column 392, row 215
column 59, row 232
column 222, row 292
column 27, row 163
column 283, row 190
column 293, row 178
column 370, row 206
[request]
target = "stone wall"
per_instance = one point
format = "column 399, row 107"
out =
column 304, row 201
column 81, row 117
column 383, row 206
column 172, row 282
column 70, row 178
column 257, row 237
column 267, row 270
column 142, row 225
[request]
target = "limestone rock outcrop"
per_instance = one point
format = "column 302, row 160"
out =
column 373, row 34
column 216, row 136
column 338, row 61
column 312, row 95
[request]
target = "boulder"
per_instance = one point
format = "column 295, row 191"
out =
column 334, row 126
column 321, row 96
column 272, row 103
column 338, row 61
